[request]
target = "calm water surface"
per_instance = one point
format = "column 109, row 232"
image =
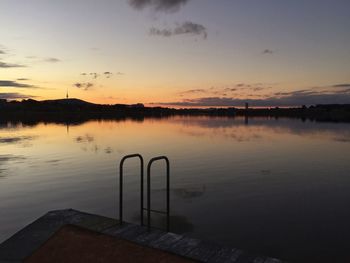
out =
column 276, row 187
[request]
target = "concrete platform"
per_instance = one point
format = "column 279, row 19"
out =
column 74, row 236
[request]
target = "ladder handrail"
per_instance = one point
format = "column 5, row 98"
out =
column 149, row 210
column 121, row 174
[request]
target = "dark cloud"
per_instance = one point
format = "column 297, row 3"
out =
column 158, row 5
column 10, row 65
column 2, row 52
column 268, row 52
column 14, row 84
column 14, row 96
column 295, row 98
column 108, row 74
column 160, row 32
column 187, row 28
column 94, row 75
column 52, row 60
column 241, row 89
column 343, row 85
column 23, row 79
column 84, row 85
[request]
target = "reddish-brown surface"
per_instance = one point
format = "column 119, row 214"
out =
column 74, row 244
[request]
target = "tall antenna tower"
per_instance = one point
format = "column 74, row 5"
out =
column 67, row 94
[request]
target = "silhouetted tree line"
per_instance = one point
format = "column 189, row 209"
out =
column 78, row 111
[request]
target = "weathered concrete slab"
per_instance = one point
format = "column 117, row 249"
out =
column 29, row 239
column 204, row 251
column 149, row 237
column 166, row 242
column 185, row 245
column 225, row 254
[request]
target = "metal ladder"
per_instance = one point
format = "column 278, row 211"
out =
column 148, row 208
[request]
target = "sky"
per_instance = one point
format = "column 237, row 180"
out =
column 178, row 53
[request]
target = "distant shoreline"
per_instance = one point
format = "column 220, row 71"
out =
column 67, row 110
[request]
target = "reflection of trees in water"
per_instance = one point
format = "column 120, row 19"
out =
column 236, row 129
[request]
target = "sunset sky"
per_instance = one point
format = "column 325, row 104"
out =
column 177, row 52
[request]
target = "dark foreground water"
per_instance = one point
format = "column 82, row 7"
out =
column 276, row 187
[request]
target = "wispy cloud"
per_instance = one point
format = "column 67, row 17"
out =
column 38, row 59
column 343, row 85
column 268, row 52
column 186, row 28
column 52, row 60
column 10, row 65
column 15, row 84
column 158, row 5
column 229, row 90
column 3, row 50
column 22, row 79
column 14, row 96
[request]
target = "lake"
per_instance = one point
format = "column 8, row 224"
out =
column 277, row 187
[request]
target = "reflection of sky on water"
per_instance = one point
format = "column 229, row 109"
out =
column 7, row 160
column 232, row 128
column 271, row 181
column 189, row 193
column 23, row 141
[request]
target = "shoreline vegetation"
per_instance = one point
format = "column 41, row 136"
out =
column 75, row 110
